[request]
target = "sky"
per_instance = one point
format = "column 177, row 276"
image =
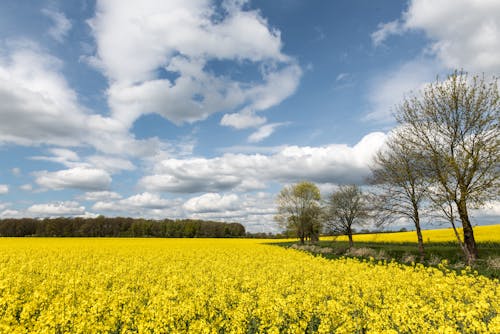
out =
column 207, row 109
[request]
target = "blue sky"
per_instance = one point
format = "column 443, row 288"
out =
column 206, row 109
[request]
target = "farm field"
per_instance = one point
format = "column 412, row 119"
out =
column 440, row 244
column 489, row 233
column 228, row 286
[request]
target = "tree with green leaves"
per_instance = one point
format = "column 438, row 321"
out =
column 454, row 127
column 345, row 208
column 299, row 210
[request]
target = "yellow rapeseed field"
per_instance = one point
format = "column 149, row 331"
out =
column 228, row 286
column 489, row 233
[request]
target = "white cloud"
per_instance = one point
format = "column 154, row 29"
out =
column 333, row 163
column 463, row 33
column 263, row 132
column 69, row 158
column 100, row 196
column 37, row 104
column 242, row 120
column 211, row 202
column 490, row 209
column 139, row 204
column 76, row 178
column 16, row 171
column 26, row 187
column 62, row 156
column 4, row 189
column 110, row 164
column 146, row 200
column 385, row 30
column 61, row 25
column 39, row 108
column 180, row 38
column 69, row 208
column 9, row 213
column 254, row 211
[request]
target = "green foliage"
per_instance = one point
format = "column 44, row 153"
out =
column 453, row 127
column 118, row 227
column 299, row 210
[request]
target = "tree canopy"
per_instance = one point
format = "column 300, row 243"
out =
column 453, row 126
column 299, row 210
column 344, row 208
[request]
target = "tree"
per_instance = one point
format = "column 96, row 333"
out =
column 442, row 204
column 401, row 185
column 299, row 210
column 344, row 208
column 454, row 127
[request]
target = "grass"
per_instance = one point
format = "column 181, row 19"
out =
column 488, row 263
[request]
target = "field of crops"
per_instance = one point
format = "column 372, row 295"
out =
column 228, row 286
column 489, row 233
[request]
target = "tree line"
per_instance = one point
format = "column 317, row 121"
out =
column 441, row 161
column 118, row 227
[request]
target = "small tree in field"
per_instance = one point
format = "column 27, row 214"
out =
column 401, row 186
column 299, row 210
column 344, row 209
column 454, row 127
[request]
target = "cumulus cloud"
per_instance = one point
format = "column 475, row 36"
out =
column 332, row 163
column 242, row 120
column 40, row 108
column 4, row 189
column 71, row 159
column 211, row 202
column 100, row 196
column 37, row 104
column 110, row 164
column 75, row 178
column 68, row 208
column 144, row 203
column 255, row 211
column 61, row 24
column 179, row 39
column 146, row 200
column 62, row 156
column 463, row 34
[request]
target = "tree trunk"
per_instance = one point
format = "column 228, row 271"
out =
column 420, row 239
column 460, row 242
column 314, row 237
column 469, row 241
column 349, row 234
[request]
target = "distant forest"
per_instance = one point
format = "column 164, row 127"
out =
column 118, row 227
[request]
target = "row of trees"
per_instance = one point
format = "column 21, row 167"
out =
column 118, row 227
column 441, row 161
column 301, row 211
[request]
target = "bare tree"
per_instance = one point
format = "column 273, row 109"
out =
column 299, row 210
column 401, row 187
column 345, row 208
column 454, row 126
